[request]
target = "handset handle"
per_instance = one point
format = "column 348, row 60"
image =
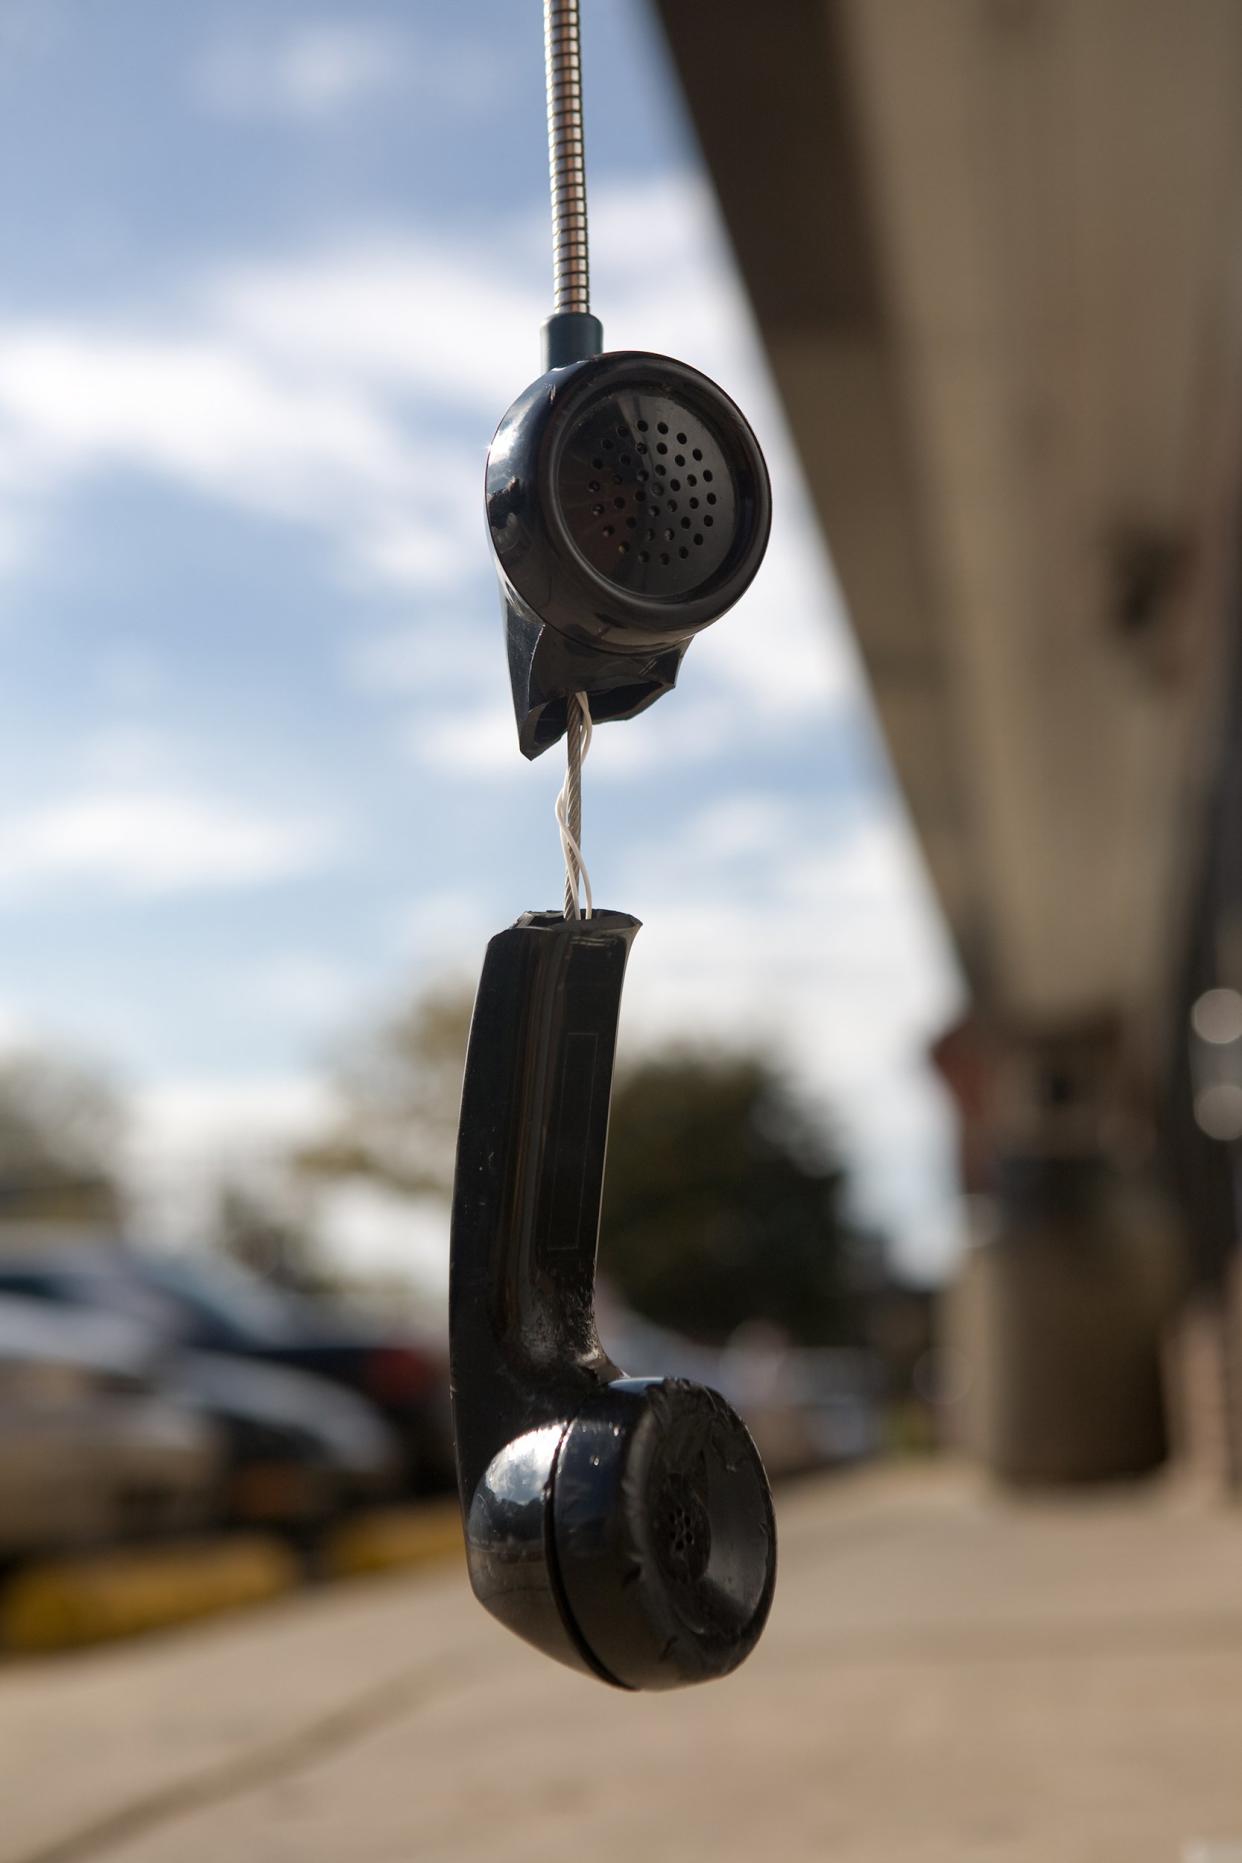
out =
column 529, row 1179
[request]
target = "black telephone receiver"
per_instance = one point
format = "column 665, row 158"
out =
column 622, row 1525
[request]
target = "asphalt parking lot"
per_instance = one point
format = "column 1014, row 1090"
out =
column 945, row 1677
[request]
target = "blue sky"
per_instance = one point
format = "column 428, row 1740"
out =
column 272, row 274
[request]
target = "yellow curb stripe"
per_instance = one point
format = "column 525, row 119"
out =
column 66, row 1603
column 394, row 1539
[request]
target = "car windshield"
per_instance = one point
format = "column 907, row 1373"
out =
column 227, row 1299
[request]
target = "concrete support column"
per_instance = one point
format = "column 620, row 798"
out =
column 1060, row 1312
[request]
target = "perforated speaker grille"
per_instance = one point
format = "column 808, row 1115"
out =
column 648, row 494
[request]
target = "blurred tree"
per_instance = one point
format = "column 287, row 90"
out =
column 724, row 1201
column 253, row 1231
column 61, row 1131
column 399, row 1090
column 724, row 1204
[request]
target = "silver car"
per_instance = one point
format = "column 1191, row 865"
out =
column 90, row 1449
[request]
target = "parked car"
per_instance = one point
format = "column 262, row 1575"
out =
column 812, row 1407
column 806, row 1407
column 300, row 1450
column 91, row 1449
column 213, row 1306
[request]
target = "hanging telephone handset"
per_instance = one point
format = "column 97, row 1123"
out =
column 622, row 1525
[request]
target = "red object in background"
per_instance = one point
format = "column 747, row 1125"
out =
column 963, row 1056
column 398, row 1374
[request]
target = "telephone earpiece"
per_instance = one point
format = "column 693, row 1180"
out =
column 622, row 1525
column 628, row 507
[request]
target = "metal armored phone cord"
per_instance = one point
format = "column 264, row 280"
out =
column 571, row 292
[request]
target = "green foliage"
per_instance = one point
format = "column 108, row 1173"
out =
column 723, row 1204
column 260, row 1235
column 399, row 1089
column 723, row 1200
column 61, row 1128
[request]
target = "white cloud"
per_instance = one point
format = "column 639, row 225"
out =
column 200, row 412
column 154, row 843
column 182, row 1113
column 304, row 990
column 375, row 1231
column 317, row 389
column 316, row 71
column 130, row 674
column 704, row 726
column 11, row 543
column 773, row 917
column 476, row 741
column 740, row 825
column 192, row 407
column 325, row 69
column 451, row 650
column 399, row 310
column 443, row 935
column 15, row 1029
column 191, row 1134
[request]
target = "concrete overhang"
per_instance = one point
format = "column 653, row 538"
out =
column 993, row 251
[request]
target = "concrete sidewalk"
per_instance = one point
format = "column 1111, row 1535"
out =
column 946, row 1677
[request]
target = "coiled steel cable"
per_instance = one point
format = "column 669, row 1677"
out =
column 571, row 291
column 571, row 273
